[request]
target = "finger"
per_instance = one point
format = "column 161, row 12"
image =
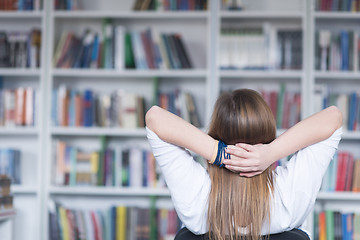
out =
column 238, row 152
column 239, row 162
column 247, row 147
column 240, row 169
column 250, row 174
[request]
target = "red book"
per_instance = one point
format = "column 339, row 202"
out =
column 273, row 102
column 349, row 173
column 95, row 225
column 64, row 50
column 148, row 50
column 287, row 103
column 78, row 110
column 341, row 173
column 20, row 106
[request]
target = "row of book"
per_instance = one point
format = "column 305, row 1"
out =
column 121, row 167
column 115, row 222
column 337, row 51
column 17, row 107
column 170, row 5
column 260, row 48
column 343, row 174
column 348, row 103
column 118, row 48
column 87, row 108
column 10, row 164
column 285, row 105
column 180, row 103
column 20, row 49
column 21, row 5
column 66, row 4
column 232, row 4
column 338, row 5
column 334, row 225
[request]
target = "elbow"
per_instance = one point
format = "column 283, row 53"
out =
column 150, row 117
column 337, row 116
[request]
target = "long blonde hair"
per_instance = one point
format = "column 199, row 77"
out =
column 238, row 206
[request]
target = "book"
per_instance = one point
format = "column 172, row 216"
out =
column 10, row 164
column 113, row 222
column 122, row 167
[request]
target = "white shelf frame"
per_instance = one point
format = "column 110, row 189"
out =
column 113, row 73
column 20, row 72
column 337, row 15
column 338, row 196
column 98, row 131
column 23, row 189
column 263, row 74
column 21, row 14
column 7, row 214
column 261, row 14
column 109, row 191
column 131, row 15
column 337, row 75
column 19, row 131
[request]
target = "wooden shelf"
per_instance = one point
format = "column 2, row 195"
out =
column 109, row 191
column 188, row 15
column 108, row 73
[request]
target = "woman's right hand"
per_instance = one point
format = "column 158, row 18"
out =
column 249, row 160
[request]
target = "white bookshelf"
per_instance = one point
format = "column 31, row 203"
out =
column 338, row 81
column 202, row 30
column 26, row 223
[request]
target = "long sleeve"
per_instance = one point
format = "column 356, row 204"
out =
column 187, row 180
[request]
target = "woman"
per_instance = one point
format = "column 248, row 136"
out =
column 259, row 201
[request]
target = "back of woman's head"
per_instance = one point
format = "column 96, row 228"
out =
column 239, row 205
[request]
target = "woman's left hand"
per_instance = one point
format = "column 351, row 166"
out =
column 248, row 160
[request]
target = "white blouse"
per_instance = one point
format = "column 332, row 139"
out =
column 296, row 184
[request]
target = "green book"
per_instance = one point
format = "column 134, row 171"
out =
column 100, row 175
column 129, row 54
column 155, row 100
column 107, row 51
column 72, row 177
column 316, row 225
column 153, row 219
column 330, row 226
column 357, row 226
column 280, row 106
